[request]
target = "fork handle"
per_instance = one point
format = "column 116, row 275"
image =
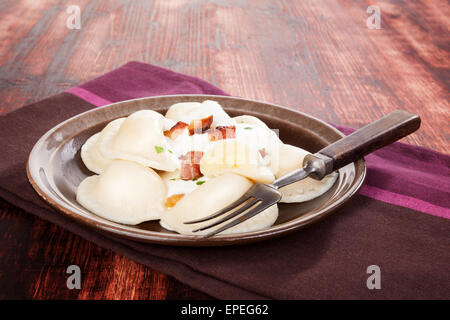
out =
column 390, row 128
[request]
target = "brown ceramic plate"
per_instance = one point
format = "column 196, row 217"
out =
column 55, row 168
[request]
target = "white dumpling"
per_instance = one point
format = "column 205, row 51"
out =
column 256, row 133
column 126, row 192
column 231, row 155
column 210, row 197
column 140, row 138
column 90, row 153
column 246, row 119
column 189, row 111
column 291, row 158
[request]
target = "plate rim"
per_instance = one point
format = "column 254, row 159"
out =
column 148, row 236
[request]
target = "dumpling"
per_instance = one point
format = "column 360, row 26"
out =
column 246, row 119
column 210, row 197
column 231, row 155
column 291, row 158
column 140, row 138
column 256, row 133
column 125, row 192
column 189, row 111
column 90, row 153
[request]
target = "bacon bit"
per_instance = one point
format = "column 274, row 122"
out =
column 173, row 199
column 200, row 126
column 262, row 152
column 176, row 130
column 190, row 165
column 222, row 132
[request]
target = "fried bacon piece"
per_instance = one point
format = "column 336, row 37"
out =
column 173, row 199
column 190, row 165
column 222, row 132
column 176, row 130
column 262, row 152
column 200, row 126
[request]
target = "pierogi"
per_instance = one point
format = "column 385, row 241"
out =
column 90, row 151
column 291, row 158
column 140, row 139
column 190, row 111
column 125, row 192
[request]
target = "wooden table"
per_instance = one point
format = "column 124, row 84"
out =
column 319, row 57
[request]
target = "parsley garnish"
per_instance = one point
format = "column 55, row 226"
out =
column 200, row 182
column 159, row 149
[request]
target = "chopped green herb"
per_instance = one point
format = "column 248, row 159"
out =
column 248, row 128
column 170, row 151
column 159, row 149
column 173, row 179
column 200, row 182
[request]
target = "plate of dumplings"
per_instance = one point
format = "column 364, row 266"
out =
column 139, row 169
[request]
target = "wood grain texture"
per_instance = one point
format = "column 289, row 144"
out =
column 314, row 56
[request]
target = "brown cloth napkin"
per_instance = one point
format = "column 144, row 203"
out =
column 328, row 260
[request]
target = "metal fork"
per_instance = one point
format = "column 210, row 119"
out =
column 390, row 128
